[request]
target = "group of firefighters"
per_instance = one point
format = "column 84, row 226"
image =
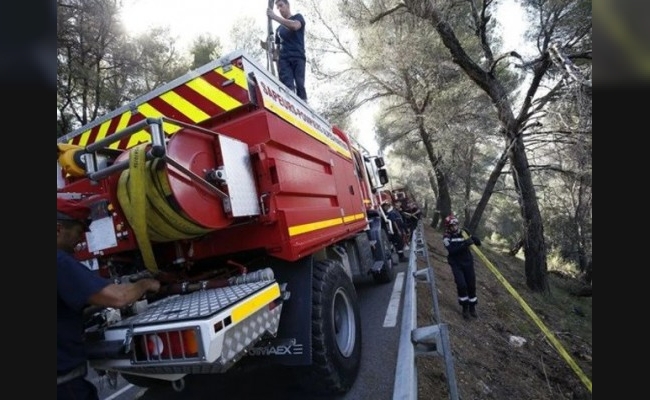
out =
column 404, row 219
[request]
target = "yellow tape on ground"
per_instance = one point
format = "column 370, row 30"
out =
column 556, row 343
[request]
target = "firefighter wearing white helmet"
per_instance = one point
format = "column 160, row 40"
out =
column 461, row 261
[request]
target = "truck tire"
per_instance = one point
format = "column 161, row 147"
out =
column 391, row 259
column 336, row 332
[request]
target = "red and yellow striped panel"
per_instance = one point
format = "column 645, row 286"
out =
column 194, row 101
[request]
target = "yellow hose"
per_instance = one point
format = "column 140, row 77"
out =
column 143, row 190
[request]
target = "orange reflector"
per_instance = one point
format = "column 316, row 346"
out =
column 191, row 342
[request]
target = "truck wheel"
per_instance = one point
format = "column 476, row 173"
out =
column 336, row 332
column 391, row 259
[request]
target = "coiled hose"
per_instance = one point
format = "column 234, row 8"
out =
column 147, row 201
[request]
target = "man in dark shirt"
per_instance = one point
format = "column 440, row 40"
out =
column 290, row 37
column 76, row 288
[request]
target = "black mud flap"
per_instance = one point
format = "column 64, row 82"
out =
column 292, row 344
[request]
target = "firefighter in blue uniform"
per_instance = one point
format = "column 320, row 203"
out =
column 461, row 261
column 399, row 228
column 78, row 287
column 290, row 37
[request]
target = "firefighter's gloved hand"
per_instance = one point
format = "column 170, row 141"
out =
column 469, row 241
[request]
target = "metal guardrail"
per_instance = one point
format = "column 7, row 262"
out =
column 430, row 340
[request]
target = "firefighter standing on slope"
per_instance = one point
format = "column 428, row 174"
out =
column 461, row 261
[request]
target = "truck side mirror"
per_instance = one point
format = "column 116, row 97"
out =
column 379, row 162
column 383, row 176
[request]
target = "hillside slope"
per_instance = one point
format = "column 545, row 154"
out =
column 486, row 364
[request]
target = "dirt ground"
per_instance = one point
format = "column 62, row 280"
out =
column 486, row 364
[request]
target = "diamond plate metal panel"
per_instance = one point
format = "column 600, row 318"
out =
column 238, row 340
column 198, row 304
column 244, row 334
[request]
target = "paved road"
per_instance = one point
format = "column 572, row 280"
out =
column 380, row 320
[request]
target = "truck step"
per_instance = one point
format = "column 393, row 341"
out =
column 201, row 332
column 194, row 305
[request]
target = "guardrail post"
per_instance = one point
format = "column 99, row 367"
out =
column 423, row 341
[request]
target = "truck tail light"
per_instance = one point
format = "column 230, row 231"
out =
column 168, row 345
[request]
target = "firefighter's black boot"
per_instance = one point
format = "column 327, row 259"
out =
column 402, row 258
column 466, row 311
column 472, row 310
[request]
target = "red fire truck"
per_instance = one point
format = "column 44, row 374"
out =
column 255, row 213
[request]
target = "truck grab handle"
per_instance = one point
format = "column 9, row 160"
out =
column 157, row 139
column 117, row 167
column 157, row 149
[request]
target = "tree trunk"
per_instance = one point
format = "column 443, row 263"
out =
column 443, row 203
column 468, row 186
column 534, row 244
column 516, row 247
column 487, row 191
column 582, row 210
column 436, row 211
column 588, row 272
column 443, row 199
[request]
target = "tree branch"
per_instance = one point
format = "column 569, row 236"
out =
column 387, row 12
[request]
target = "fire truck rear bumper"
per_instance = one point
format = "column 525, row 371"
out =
column 201, row 332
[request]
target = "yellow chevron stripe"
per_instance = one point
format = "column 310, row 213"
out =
column 188, row 109
column 308, row 129
column 142, row 136
column 213, row 94
column 83, row 138
column 254, row 303
column 235, row 74
column 195, row 114
column 103, row 129
column 124, row 121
